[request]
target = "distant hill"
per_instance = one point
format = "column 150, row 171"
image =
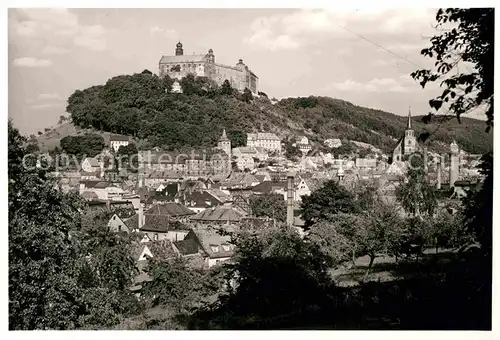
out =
column 139, row 105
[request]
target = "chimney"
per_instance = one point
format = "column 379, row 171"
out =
column 439, row 167
column 425, row 160
column 289, row 201
column 140, row 215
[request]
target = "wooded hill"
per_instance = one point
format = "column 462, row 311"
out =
column 141, row 106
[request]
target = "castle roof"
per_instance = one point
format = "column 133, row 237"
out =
column 185, row 58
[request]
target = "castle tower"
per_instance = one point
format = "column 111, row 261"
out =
column 410, row 145
column 454, row 162
column 178, row 49
column 225, row 143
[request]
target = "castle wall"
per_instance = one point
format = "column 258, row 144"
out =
column 234, row 75
column 171, row 69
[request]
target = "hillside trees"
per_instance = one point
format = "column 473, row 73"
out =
column 89, row 144
column 470, row 41
column 141, row 105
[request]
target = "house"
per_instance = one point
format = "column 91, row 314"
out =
column 219, row 215
column 103, row 189
column 303, row 145
column 143, row 252
column 214, row 248
column 239, row 180
column 198, row 201
column 116, row 224
column 115, row 141
column 262, row 176
column 333, row 143
column 270, row 187
column 306, row 187
column 161, row 221
column 90, row 164
column 246, row 156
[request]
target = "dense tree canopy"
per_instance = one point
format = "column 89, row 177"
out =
column 89, row 144
column 272, row 206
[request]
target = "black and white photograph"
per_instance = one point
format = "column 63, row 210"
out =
column 211, row 168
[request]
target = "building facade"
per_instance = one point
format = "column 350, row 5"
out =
column 203, row 65
column 116, row 141
column 267, row 141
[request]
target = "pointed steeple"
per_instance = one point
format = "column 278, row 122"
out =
column 224, row 136
column 408, row 127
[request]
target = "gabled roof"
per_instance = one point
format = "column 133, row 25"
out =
column 219, row 195
column 169, row 210
column 96, row 184
column 209, row 237
column 240, row 179
column 187, row 246
column 219, row 214
column 201, row 199
column 118, row 138
column 268, row 187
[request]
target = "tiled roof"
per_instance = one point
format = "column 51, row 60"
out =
column 169, row 209
column 186, row 58
column 219, row 214
column 201, row 199
column 162, row 250
column 268, row 187
column 240, row 179
column 118, row 138
column 187, row 246
column 209, row 237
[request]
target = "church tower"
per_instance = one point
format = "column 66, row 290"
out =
column 178, row 49
column 225, row 143
column 410, row 142
column 454, row 162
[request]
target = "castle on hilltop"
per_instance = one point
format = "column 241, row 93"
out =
column 203, row 65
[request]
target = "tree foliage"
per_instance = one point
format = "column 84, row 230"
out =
column 48, row 256
column 271, row 205
column 327, row 201
column 416, row 195
column 89, row 144
column 470, row 41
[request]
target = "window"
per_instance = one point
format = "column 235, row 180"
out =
column 155, row 237
column 114, row 218
column 215, row 249
column 119, row 228
column 226, row 247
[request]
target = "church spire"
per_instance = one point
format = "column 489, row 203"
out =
column 224, row 136
column 409, row 118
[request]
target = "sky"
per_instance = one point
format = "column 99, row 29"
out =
column 294, row 52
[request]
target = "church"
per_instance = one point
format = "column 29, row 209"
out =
column 203, row 65
column 407, row 144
